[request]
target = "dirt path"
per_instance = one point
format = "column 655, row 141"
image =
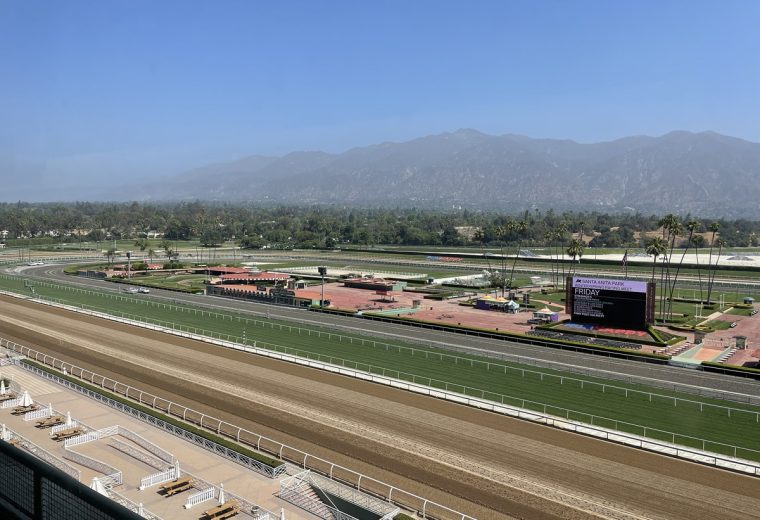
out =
column 483, row 464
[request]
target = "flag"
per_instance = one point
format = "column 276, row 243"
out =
column 625, row 258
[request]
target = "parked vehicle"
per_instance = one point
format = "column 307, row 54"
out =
column 143, row 290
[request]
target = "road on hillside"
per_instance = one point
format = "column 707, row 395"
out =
column 659, row 373
column 484, row 464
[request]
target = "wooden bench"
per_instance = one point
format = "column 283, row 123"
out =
column 226, row 510
column 19, row 410
column 65, row 434
column 5, row 397
column 50, row 421
column 176, row 486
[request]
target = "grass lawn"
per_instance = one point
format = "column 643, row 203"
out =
column 467, row 374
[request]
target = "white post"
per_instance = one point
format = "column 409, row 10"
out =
column 221, row 494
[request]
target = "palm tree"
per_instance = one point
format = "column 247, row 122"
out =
column 520, row 227
column 691, row 226
column 714, row 227
column 110, row 254
column 560, row 237
column 676, row 230
column 549, row 239
column 575, row 250
column 699, row 241
column 711, row 280
column 151, row 254
column 655, row 248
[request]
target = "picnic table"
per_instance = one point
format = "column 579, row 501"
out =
column 226, row 510
column 177, row 486
column 50, row 421
column 65, row 434
column 9, row 395
column 23, row 409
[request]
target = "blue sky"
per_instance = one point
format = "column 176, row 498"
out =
column 90, row 89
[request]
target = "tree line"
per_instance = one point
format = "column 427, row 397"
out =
column 329, row 227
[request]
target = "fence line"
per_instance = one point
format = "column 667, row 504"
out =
column 157, row 478
column 200, row 496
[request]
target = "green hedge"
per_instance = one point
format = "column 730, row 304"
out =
column 518, row 336
column 732, row 368
column 402, row 516
column 273, row 463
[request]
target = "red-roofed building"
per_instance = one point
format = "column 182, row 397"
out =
column 254, row 278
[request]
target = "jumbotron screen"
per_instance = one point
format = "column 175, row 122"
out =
column 606, row 301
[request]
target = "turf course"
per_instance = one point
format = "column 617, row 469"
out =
column 684, row 419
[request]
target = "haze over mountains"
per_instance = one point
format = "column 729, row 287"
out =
column 703, row 173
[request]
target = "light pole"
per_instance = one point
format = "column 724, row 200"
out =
column 322, row 272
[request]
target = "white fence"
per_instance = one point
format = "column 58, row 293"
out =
column 113, row 475
column 11, row 403
column 157, row 478
column 200, row 496
column 147, row 445
column 61, row 427
column 91, row 436
column 37, row 414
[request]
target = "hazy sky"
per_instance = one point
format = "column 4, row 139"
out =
column 142, row 88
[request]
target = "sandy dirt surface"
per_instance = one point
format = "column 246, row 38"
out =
column 483, row 464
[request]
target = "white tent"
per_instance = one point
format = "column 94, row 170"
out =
column 221, row 494
column 176, row 470
column 98, row 486
column 68, row 419
column 26, row 399
column 2, row 387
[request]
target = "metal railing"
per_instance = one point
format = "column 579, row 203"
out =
column 112, row 475
column 43, row 454
column 140, row 455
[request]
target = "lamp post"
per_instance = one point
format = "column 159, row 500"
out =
column 322, row 272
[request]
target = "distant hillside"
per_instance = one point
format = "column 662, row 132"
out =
column 704, row 173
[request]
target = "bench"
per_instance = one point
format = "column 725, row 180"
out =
column 226, row 510
column 5, row 397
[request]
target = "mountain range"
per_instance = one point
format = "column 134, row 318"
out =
column 705, row 174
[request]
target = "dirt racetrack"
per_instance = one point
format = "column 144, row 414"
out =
column 483, row 464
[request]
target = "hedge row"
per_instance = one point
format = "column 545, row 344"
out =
column 733, row 368
column 519, row 337
column 273, row 463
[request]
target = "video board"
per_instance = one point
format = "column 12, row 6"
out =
column 612, row 302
